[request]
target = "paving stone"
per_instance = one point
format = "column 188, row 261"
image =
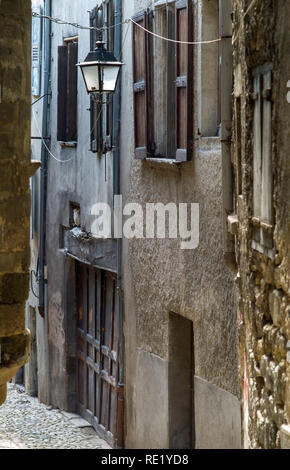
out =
column 27, row 424
column 69, row 415
column 80, row 423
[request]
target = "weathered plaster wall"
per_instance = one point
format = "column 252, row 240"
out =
column 15, row 169
column 84, row 179
column 36, row 374
column 217, row 417
column 160, row 278
column 264, row 283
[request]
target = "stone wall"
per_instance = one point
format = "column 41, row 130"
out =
column 15, row 169
column 261, row 37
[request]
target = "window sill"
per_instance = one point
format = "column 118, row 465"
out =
column 70, row 145
column 233, row 224
column 270, row 253
column 163, row 161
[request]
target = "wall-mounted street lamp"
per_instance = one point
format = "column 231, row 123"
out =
column 100, row 70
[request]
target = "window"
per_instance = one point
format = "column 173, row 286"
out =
column 36, row 53
column 163, row 82
column 74, row 215
column 262, row 166
column 210, row 65
column 238, row 146
column 101, row 109
column 67, row 91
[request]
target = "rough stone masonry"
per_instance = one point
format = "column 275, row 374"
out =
column 15, row 170
column 261, row 50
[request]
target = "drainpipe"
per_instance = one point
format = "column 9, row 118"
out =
column 225, row 10
column 44, row 158
column 117, row 191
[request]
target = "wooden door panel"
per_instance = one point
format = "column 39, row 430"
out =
column 97, row 349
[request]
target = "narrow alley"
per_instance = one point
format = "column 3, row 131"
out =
column 27, row 424
column 144, row 225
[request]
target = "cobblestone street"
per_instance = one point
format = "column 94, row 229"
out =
column 27, row 424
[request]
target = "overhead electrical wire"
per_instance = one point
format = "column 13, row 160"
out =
column 95, row 123
column 189, row 43
column 129, row 20
column 76, row 25
column 44, row 143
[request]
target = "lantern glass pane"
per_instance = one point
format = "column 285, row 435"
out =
column 110, row 75
column 91, row 77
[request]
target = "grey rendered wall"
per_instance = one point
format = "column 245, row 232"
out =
column 36, row 375
column 160, row 278
column 217, row 417
column 84, row 179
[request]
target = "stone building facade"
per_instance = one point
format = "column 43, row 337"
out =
column 139, row 315
column 74, row 271
column 15, row 170
column 180, row 323
column 140, row 323
column 261, row 219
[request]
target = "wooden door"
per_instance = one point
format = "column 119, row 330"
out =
column 99, row 396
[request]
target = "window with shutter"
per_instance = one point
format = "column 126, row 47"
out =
column 36, row 54
column 101, row 108
column 163, row 82
column 140, row 85
column 96, row 107
column 184, row 81
column 71, row 102
column 67, row 91
column 161, row 85
column 262, row 163
column 110, row 21
column 62, row 93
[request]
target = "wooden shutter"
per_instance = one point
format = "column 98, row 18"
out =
column 36, row 54
column 267, row 218
column 62, row 93
column 267, row 183
column 262, row 161
column 110, row 21
column 257, row 147
column 93, row 107
column 72, row 91
column 140, row 85
column 96, row 115
column 184, row 81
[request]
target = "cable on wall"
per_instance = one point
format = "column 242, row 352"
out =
column 43, row 141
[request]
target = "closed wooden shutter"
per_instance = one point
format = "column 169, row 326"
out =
column 140, row 85
column 263, row 217
column 62, row 93
column 93, row 104
column 257, row 164
column 71, row 110
column 184, row 81
column 96, row 115
column 36, row 54
column 110, row 21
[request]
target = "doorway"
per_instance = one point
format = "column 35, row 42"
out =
column 99, row 396
column 181, row 380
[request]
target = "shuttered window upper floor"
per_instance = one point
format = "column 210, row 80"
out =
column 101, row 107
column 67, row 91
column 163, row 81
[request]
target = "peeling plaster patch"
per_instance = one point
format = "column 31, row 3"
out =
column 56, row 315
